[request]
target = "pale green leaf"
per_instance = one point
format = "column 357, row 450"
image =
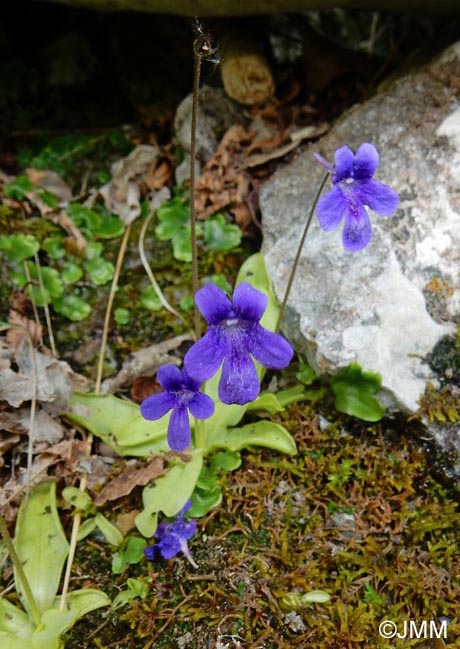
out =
column 318, row 596
column 268, row 402
column 56, row 622
column 254, row 271
column 83, row 601
column 138, row 586
column 123, row 598
column 120, row 424
column 261, row 433
column 170, row 492
column 78, row 499
column 295, row 600
column 86, row 528
column 11, row 640
column 111, row 533
column 41, row 545
column 14, row 620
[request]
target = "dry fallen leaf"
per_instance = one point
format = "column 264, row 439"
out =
column 22, row 328
column 49, row 180
column 224, row 183
column 122, row 193
column 159, row 174
column 144, row 362
column 125, row 521
column 55, row 379
column 132, row 477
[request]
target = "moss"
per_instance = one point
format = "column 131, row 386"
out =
column 384, row 526
column 445, row 359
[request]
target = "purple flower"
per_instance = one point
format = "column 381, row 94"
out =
column 234, row 335
column 181, row 395
column 354, row 188
column 172, row 538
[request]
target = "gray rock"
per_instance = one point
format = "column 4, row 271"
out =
column 216, row 113
column 378, row 306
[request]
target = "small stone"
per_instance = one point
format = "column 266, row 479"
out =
column 295, row 622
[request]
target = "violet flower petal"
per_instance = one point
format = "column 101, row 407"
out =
column 248, row 302
column 185, row 529
column 331, row 208
column 179, row 434
column 343, row 163
column 213, row 304
column 239, row 382
column 184, row 509
column 365, row 162
column 186, row 552
column 157, row 405
column 205, row 357
column 201, row 406
column 169, row 546
column 379, row 197
column 270, row 349
column 170, row 377
column 357, row 231
column 151, row 552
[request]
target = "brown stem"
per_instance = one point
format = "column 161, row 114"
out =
column 195, row 99
column 299, row 252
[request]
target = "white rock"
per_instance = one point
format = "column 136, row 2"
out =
column 375, row 306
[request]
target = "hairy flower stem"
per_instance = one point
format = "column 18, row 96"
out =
column 195, row 100
column 20, row 572
column 299, row 252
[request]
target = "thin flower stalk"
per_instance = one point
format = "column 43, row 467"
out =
column 150, row 274
column 45, row 306
column 298, row 254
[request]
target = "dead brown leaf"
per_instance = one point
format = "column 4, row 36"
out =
column 142, row 388
column 224, row 183
column 55, row 379
column 122, row 193
column 22, row 328
column 144, row 362
column 132, row 477
column 159, row 174
column 125, row 521
column 49, row 180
